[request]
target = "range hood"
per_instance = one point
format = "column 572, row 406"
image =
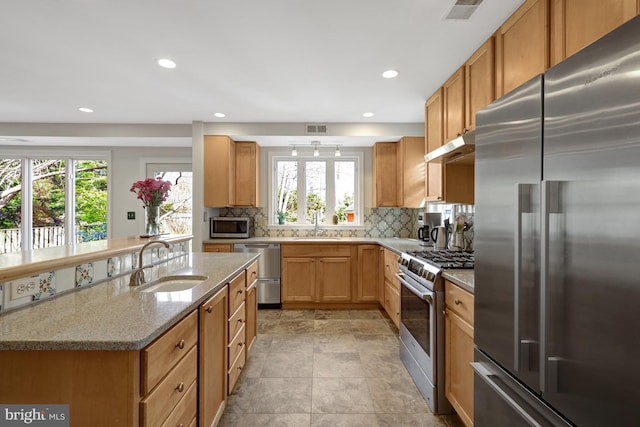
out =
column 453, row 150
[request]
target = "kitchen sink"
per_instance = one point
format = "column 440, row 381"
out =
column 175, row 283
column 316, row 238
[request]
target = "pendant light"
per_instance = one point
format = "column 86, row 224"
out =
column 294, row 152
column 338, row 153
column 316, row 152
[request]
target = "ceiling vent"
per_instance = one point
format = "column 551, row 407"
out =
column 463, row 9
column 315, row 129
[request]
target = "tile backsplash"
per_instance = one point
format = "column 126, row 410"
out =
column 378, row 222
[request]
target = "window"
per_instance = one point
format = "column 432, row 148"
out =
column 52, row 201
column 328, row 187
column 176, row 212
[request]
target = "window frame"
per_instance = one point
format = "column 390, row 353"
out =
column 70, row 157
column 347, row 155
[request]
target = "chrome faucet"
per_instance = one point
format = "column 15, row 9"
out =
column 137, row 276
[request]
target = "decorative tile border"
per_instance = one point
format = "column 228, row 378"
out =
column 113, row 266
column 84, row 274
column 46, row 286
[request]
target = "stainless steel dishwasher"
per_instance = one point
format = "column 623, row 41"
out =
column 268, row 287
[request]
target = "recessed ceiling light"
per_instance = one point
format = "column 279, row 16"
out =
column 367, row 114
column 221, row 115
column 85, row 110
column 389, row 74
column 166, row 63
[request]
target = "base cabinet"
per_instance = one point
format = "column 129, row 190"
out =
column 252, row 304
column 391, row 292
column 217, row 247
column 459, row 351
column 213, row 357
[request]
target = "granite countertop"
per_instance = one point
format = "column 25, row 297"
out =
column 112, row 315
column 462, row 278
column 20, row 264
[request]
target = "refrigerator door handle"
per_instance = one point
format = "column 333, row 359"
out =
column 523, row 204
column 487, row 376
column 550, row 204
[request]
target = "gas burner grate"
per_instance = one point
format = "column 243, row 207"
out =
column 446, row 259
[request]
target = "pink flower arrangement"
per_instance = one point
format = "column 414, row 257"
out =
column 151, row 191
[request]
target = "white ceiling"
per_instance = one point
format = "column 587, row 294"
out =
column 306, row 61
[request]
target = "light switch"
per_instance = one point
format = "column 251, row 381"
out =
column 131, row 215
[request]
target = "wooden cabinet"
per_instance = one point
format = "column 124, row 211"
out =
column 391, row 297
column 231, row 172
column 217, row 247
column 237, row 338
column 453, row 97
column 386, row 182
column 459, row 350
column 522, row 46
column 251, row 303
column 479, row 82
column 298, row 279
column 369, row 277
column 333, row 279
column 398, row 173
column 213, row 357
column 219, row 171
column 434, row 138
column 577, row 23
column 247, row 174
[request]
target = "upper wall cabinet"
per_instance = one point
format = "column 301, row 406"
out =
column 522, row 46
column 398, row 173
column 577, row 23
column 479, row 82
column 434, row 138
column 231, row 172
column 247, row 174
column 453, row 96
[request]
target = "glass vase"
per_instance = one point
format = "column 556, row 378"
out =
column 152, row 221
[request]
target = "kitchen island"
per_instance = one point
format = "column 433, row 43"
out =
column 94, row 348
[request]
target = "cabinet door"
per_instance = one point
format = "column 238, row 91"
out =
column 334, row 279
column 219, row 171
column 369, row 268
column 392, row 302
column 411, row 167
column 577, row 23
column 247, row 174
column 217, row 247
column 386, row 175
column 298, row 279
column 213, row 356
column 522, row 46
column 434, row 138
column 251, row 314
column 458, row 370
column 479, row 82
column 453, row 96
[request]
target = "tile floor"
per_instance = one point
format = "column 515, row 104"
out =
column 327, row 368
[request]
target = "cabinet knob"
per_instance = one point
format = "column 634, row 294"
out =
column 240, row 344
column 180, row 344
column 180, row 387
column 239, row 291
column 209, row 309
column 457, row 301
column 240, row 320
column 239, row 368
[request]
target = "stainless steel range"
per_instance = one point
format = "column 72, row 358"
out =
column 422, row 319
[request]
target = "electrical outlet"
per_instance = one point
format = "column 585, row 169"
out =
column 131, row 215
column 24, row 287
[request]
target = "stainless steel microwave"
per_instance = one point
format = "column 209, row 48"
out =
column 228, row 227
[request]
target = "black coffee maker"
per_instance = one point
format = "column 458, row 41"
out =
column 426, row 222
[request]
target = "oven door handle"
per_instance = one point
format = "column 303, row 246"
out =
column 423, row 295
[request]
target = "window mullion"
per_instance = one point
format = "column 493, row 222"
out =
column 26, row 226
column 302, row 195
column 330, row 185
column 69, row 202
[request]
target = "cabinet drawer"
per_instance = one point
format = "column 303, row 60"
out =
column 185, row 410
column 392, row 302
column 252, row 274
column 459, row 301
column 236, row 320
column 236, row 370
column 236, row 292
column 155, row 407
column 390, row 265
column 217, row 247
column 160, row 356
column 300, row 251
column 236, row 344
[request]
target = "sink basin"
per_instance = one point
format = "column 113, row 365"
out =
column 316, row 238
column 174, row 283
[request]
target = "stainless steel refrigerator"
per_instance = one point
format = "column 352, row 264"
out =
column 557, row 244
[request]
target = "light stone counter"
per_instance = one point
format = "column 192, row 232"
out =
column 112, row 315
column 462, row 278
column 21, row 264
